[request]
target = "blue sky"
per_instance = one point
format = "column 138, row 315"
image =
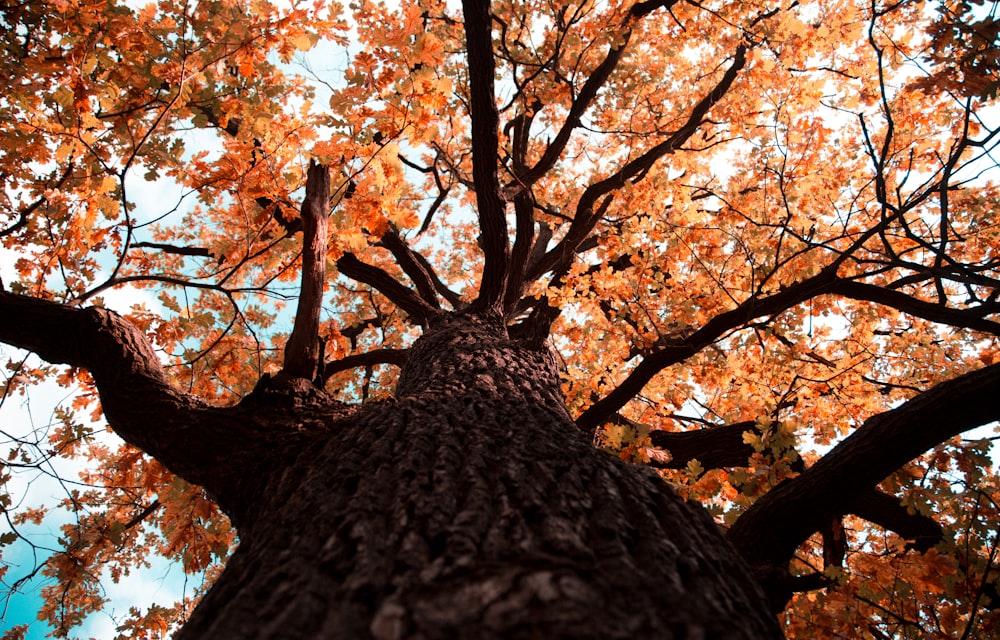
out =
column 163, row 582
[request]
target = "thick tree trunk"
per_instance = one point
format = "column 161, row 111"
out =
column 470, row 506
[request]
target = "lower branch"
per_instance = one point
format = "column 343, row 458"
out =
column 723, row 446
column 133, row 387
column 395, row 357
column 768, row 533
column 217, row 448
column 713, row 447
column 921, row 532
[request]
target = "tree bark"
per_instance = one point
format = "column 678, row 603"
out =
column 470, row 506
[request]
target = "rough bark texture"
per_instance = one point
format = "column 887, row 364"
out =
column 302, row 349
column 470, row 506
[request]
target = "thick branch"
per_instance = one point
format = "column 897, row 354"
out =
column 418, row 270
column 524, row 235
column 193, row 440
column 302, row 349
column 713, row 447
column 971, row 318
column 889, row 513
column 770, row 531
column 485, row 150
column 723, row 446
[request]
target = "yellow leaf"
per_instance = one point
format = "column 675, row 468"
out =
column 304, row 41
column 108, row 184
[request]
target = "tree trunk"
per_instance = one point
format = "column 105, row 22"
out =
column 469, row 506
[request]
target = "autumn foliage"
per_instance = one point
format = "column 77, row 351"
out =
column 766, row 224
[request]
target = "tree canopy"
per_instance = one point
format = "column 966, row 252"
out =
column 763, row 238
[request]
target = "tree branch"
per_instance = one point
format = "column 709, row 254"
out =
column 199, row 252
column 588, row 211
column 419, row 271
column 723, row 446
column 395, row 357
column 524, row 236
column 588, row 92
column 713, row 447
column 25, row 213
column 679, row 350
column 768, row 533
column 409, row 302
column 453, row 298
column 485, row 150
column 971, row 318
column 888, row 512
column 825, row 282
column 302, row 348
column 195, row 441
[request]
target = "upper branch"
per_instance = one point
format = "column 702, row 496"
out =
column 588, row 92
column 26, row 212
column 302, row 349
column 485, row 152
column 588, row 208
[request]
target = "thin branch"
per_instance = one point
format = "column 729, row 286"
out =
column 453, row 298
column 199, row 252
column 583, row 100
column 418, row 309
column 679, row 350
column 25, row 213
column 588, row 208
column 823, row 283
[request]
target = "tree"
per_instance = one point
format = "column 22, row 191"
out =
column 749, row 248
